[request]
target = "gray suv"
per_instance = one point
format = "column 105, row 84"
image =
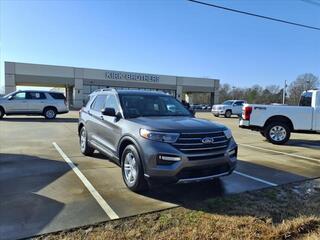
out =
column 154, row 138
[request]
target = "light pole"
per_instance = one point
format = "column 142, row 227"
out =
column 284, row 93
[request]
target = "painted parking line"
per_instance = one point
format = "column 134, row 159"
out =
column 283, row 153
column 103, row 204
column 256, row 179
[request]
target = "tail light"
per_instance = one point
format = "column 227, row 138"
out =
column 247, row 110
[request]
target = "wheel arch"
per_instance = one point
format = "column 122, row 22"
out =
column 53, row 107
column 81, row 125
column 124, row 142
column 279, row 118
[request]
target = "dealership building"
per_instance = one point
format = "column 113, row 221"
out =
column 80, row 82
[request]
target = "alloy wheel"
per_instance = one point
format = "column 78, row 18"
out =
column 130, row 168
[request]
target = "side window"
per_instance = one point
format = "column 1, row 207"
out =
column 112, row 102
column 36, row 95
column 57, row 95
column 19, row 96
column 239, row 103
column 306, row 99
column 99, row 103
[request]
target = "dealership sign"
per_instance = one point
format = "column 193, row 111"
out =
column 132, row 77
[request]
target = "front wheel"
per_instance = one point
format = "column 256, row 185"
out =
column 277, row 133
column 132, row 170
column 228, row 114
column 85, row 148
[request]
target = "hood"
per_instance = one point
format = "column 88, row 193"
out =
column 178, row 124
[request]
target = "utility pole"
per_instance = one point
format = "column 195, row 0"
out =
column 284, row 92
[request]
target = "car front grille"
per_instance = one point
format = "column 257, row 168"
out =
column 191, row 144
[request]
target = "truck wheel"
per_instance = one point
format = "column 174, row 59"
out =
column 277, row 133
column 85, row 148
column 50, row 113
column 1, row 112
column 228, row 114
column 132, row 170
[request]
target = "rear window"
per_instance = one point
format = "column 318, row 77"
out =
column 306, row 99
column 58, row 96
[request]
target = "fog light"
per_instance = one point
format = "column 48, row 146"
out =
column 233, row 153
column 169, row 158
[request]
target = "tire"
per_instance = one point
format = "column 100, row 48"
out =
column 228, row 114
column 1, row 112
column 277, row 133
column 50, row 113
column 132, row 170
column 85, row 148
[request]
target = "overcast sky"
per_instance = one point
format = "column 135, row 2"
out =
column 173, row 37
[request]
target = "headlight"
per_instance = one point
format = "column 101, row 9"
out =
column 159, row 136
column 228, row 133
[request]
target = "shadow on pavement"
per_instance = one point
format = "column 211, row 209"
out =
column 304, row 143
column 192, row 196
column 23, row 211
column 39, row 119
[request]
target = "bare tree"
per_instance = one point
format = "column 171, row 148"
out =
column 302, row 83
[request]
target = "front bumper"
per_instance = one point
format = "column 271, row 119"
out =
column 185, row 170
column 218, row 112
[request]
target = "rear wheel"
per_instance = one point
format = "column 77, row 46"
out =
column 50, row 113
column 277, row 133
column 1, row 112
column 132, row 170
column 85, row 148
column 228, row 114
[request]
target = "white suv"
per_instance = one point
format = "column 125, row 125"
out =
column 30, row 102
column 228, row 108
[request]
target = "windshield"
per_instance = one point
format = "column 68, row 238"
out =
column 229, row 102
column 151, row 105
column 6, row 96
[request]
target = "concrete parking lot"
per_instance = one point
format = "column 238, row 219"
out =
column 47, row 185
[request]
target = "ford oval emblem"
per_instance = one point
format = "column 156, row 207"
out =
column 207, row 140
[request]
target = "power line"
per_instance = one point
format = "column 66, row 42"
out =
column 255, row 15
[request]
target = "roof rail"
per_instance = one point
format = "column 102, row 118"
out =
column 105, row 89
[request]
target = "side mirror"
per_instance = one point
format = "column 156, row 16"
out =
column 111, row 112
column 10, row 97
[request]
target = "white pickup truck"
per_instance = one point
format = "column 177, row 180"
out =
column 276, row 122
